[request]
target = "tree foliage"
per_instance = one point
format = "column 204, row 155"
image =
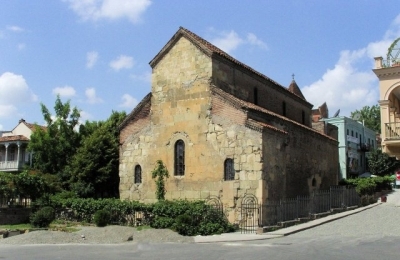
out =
column 159, row 173
column 382, row 164
column 53, row 147
column 85, row 161
column 371, row 116
column 93, row 170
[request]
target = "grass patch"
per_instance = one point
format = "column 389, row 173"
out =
column 16, row 227
column 140, row 228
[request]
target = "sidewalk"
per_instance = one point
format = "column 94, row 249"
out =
column 237, row 236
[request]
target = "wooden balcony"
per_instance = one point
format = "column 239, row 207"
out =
column 11, row 166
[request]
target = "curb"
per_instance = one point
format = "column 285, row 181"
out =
column 237, row 237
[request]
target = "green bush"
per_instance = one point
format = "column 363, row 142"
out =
column 162, row 222
column 102, row 218
column 43, row 217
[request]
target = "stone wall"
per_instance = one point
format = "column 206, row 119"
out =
column 241, row 83
column 12, row 216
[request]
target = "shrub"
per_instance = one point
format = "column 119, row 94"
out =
column 162, row 222
column 102, row 218
column 43, row 217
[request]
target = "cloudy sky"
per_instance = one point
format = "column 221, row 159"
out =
column 96, row 53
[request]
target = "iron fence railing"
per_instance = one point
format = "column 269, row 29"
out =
column 14, row 202
column 321, row 201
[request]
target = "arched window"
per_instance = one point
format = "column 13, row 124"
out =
column 179, row 158
column 138, row 174
column 229, row 170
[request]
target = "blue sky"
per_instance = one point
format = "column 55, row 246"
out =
column 96, row 53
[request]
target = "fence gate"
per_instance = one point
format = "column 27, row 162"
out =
column 215, row 203
column 249, row 211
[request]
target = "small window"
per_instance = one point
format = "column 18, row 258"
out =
column 347, row 131
column 179, row 158
column 255, row 93
column 138, row 174
column 356, row 135
column 229, row 170
column 352, row 133
column 314, row 182
column 284, row 108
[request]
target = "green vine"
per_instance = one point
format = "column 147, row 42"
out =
column 159, row 173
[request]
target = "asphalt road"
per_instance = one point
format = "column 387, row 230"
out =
column 370, row 234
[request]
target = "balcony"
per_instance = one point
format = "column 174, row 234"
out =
column 364, row 148
column 392, row 131
column 11, row 166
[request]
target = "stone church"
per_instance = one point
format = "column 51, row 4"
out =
column 223, row 130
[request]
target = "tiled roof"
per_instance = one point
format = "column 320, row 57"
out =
column 247, row 105
column 32, row 126
column 136, row 110
column 13, row 138
column 295, row 89
column 211, row 49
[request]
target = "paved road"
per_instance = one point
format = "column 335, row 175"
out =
column 370, row 234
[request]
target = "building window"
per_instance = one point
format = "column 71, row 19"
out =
column 356, row 135
column 352, row 133
column 138, row 174
column 303, row 117
column 179, row 158
column 255, row 96
column 347, row 131
column 229, row 170
column 284, row 108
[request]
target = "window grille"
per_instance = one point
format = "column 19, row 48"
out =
column 138, row 174
column 179, row 158
column 229, row 170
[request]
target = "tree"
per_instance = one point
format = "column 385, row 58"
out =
column 382, row 164
column 93, row 170
column 54, row 146
column 371, row 116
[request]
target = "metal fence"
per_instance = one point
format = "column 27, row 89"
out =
column 321, row 201
column 14, row 202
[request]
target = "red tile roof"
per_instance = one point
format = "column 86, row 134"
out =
column 13, row 138
column 247, row 105
column 32, row 126
column 210, row 50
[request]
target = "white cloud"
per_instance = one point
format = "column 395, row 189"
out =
column 21, row 46
column 230, row 41
column 227, row 41
column 346, row 86
column 109, row 9
column 90, row 94
column 146, row 77
column 349, row 85
column 15, row 28
column 122, row 62
column 253, row 40
column 14, row 92
column 66, row 91
column 91, row 59
column 128, row 101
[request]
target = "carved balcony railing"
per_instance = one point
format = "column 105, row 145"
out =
column 392, row 131
column 11, row 166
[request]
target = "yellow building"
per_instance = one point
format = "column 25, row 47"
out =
column 223, row 130
column 388, row 72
